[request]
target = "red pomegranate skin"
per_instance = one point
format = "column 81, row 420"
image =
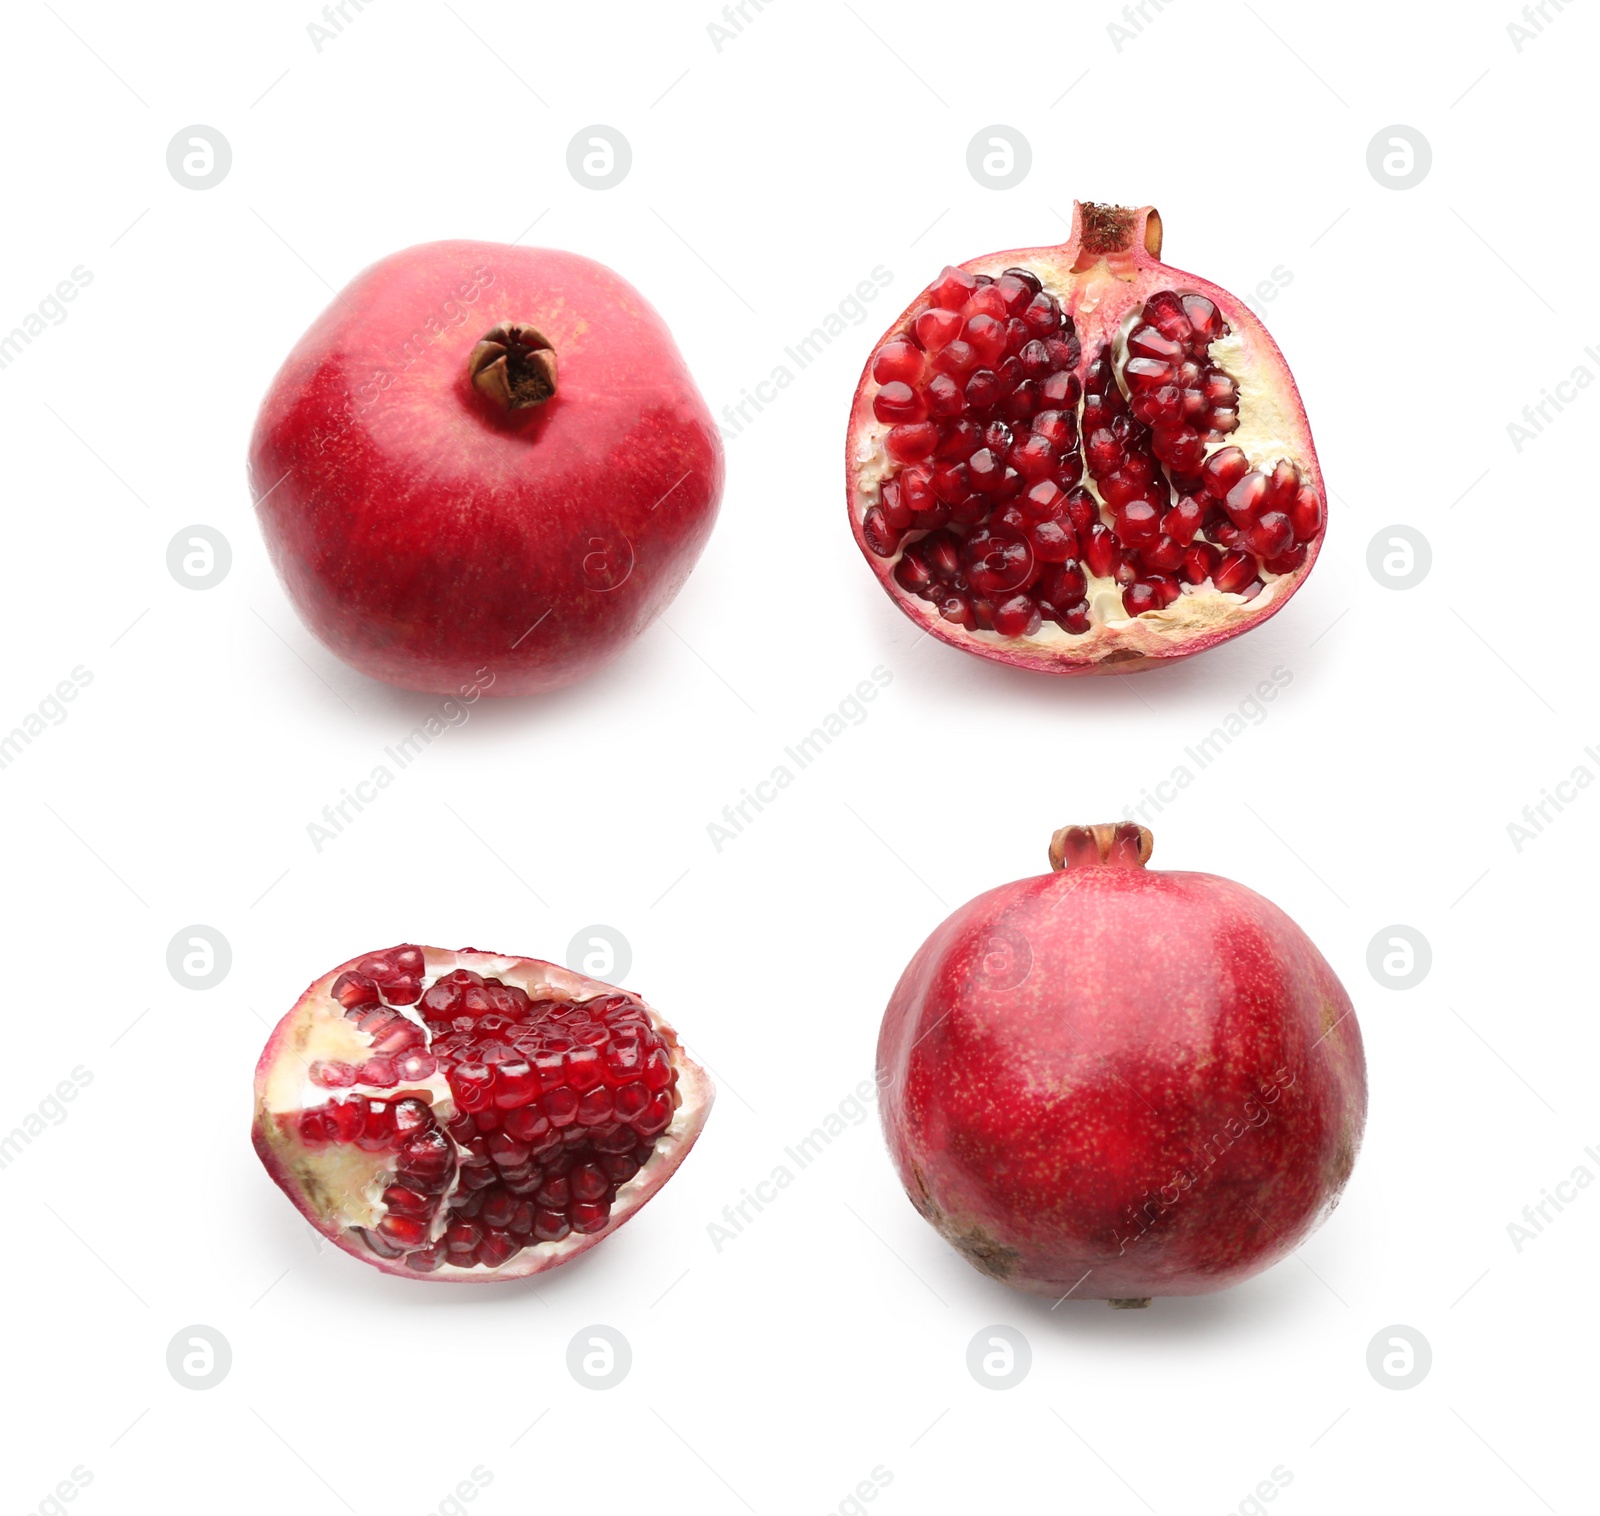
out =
column 437, row 541
column 1114, row 1082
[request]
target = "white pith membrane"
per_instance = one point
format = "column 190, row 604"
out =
column 340, row 1185
column 1104, row 302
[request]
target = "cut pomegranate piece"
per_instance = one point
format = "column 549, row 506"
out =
column 1090, row 404
column 541, row 1109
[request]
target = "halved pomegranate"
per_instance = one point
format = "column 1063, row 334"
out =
column 1079, row 460
column 468, row 1116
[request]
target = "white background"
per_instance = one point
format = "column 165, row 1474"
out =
column 768, row 179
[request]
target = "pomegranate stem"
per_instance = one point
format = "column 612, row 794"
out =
column 513, row 367
column 1112, row 844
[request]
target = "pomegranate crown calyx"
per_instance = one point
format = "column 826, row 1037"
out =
column 1111, row 844
column 513, row 367
column 1119, row 234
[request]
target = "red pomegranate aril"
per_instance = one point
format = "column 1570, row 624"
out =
column 1032, row 456
column 1044, row 500
column 1286, row 563
column 957, row 607
column 985, row 470
column 1053, row 541
column 332, row 1075
column 984, row 390
column 897, row 362
column 1271, row 536
column 1163, row 555
column 1076, row 619
column 987, row 337
column 1224, row 469
column 1247, row 499
column 1138, row 523
column 1140, row 597
column 953, row 288
column 1235, row 571
column 957, row 358
column 1200, row 563
column 912, row 574
column 882, row 538
column 1183, row 520
column 997, row 564
column 934, row 330
column 1100, row 551
column 897, row 401
column 1306, row 515
column 911, row 442
column 1018, row 616
column 944, row 398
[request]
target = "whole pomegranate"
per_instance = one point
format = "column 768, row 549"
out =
column 467, row 1116
column 484, row 468
column 1113, row 1083
column 1078, row 460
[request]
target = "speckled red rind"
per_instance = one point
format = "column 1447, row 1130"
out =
column 433, row 546
column 694, row 1085
column 1064, row 1050
column 1148, row 641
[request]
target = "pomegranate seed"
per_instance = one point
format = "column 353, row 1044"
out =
column 1270, row 536
column 897, row 362
column 1234, row 572
column 1017, row 616
column 985, row 470
column 952, row 288
column 997, row 564
column 986, row 300
column 1043, row 316
column 1306, row 515
column 957, row 358
column 882, row 538
column 1286, row 563
column 332, row 1075
column 1138, row 523
column 1163, row 555
column 987, row 337
column 1053, row 541
column 1247, row 499
column 1100, row 551
column 934, row 329
column 1032, row 456
column 944, row 397
column 1224, row 469
column 1140, row 597
column 897, row 401
column 957, row 608
column 911, row 442
column 983, row 390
